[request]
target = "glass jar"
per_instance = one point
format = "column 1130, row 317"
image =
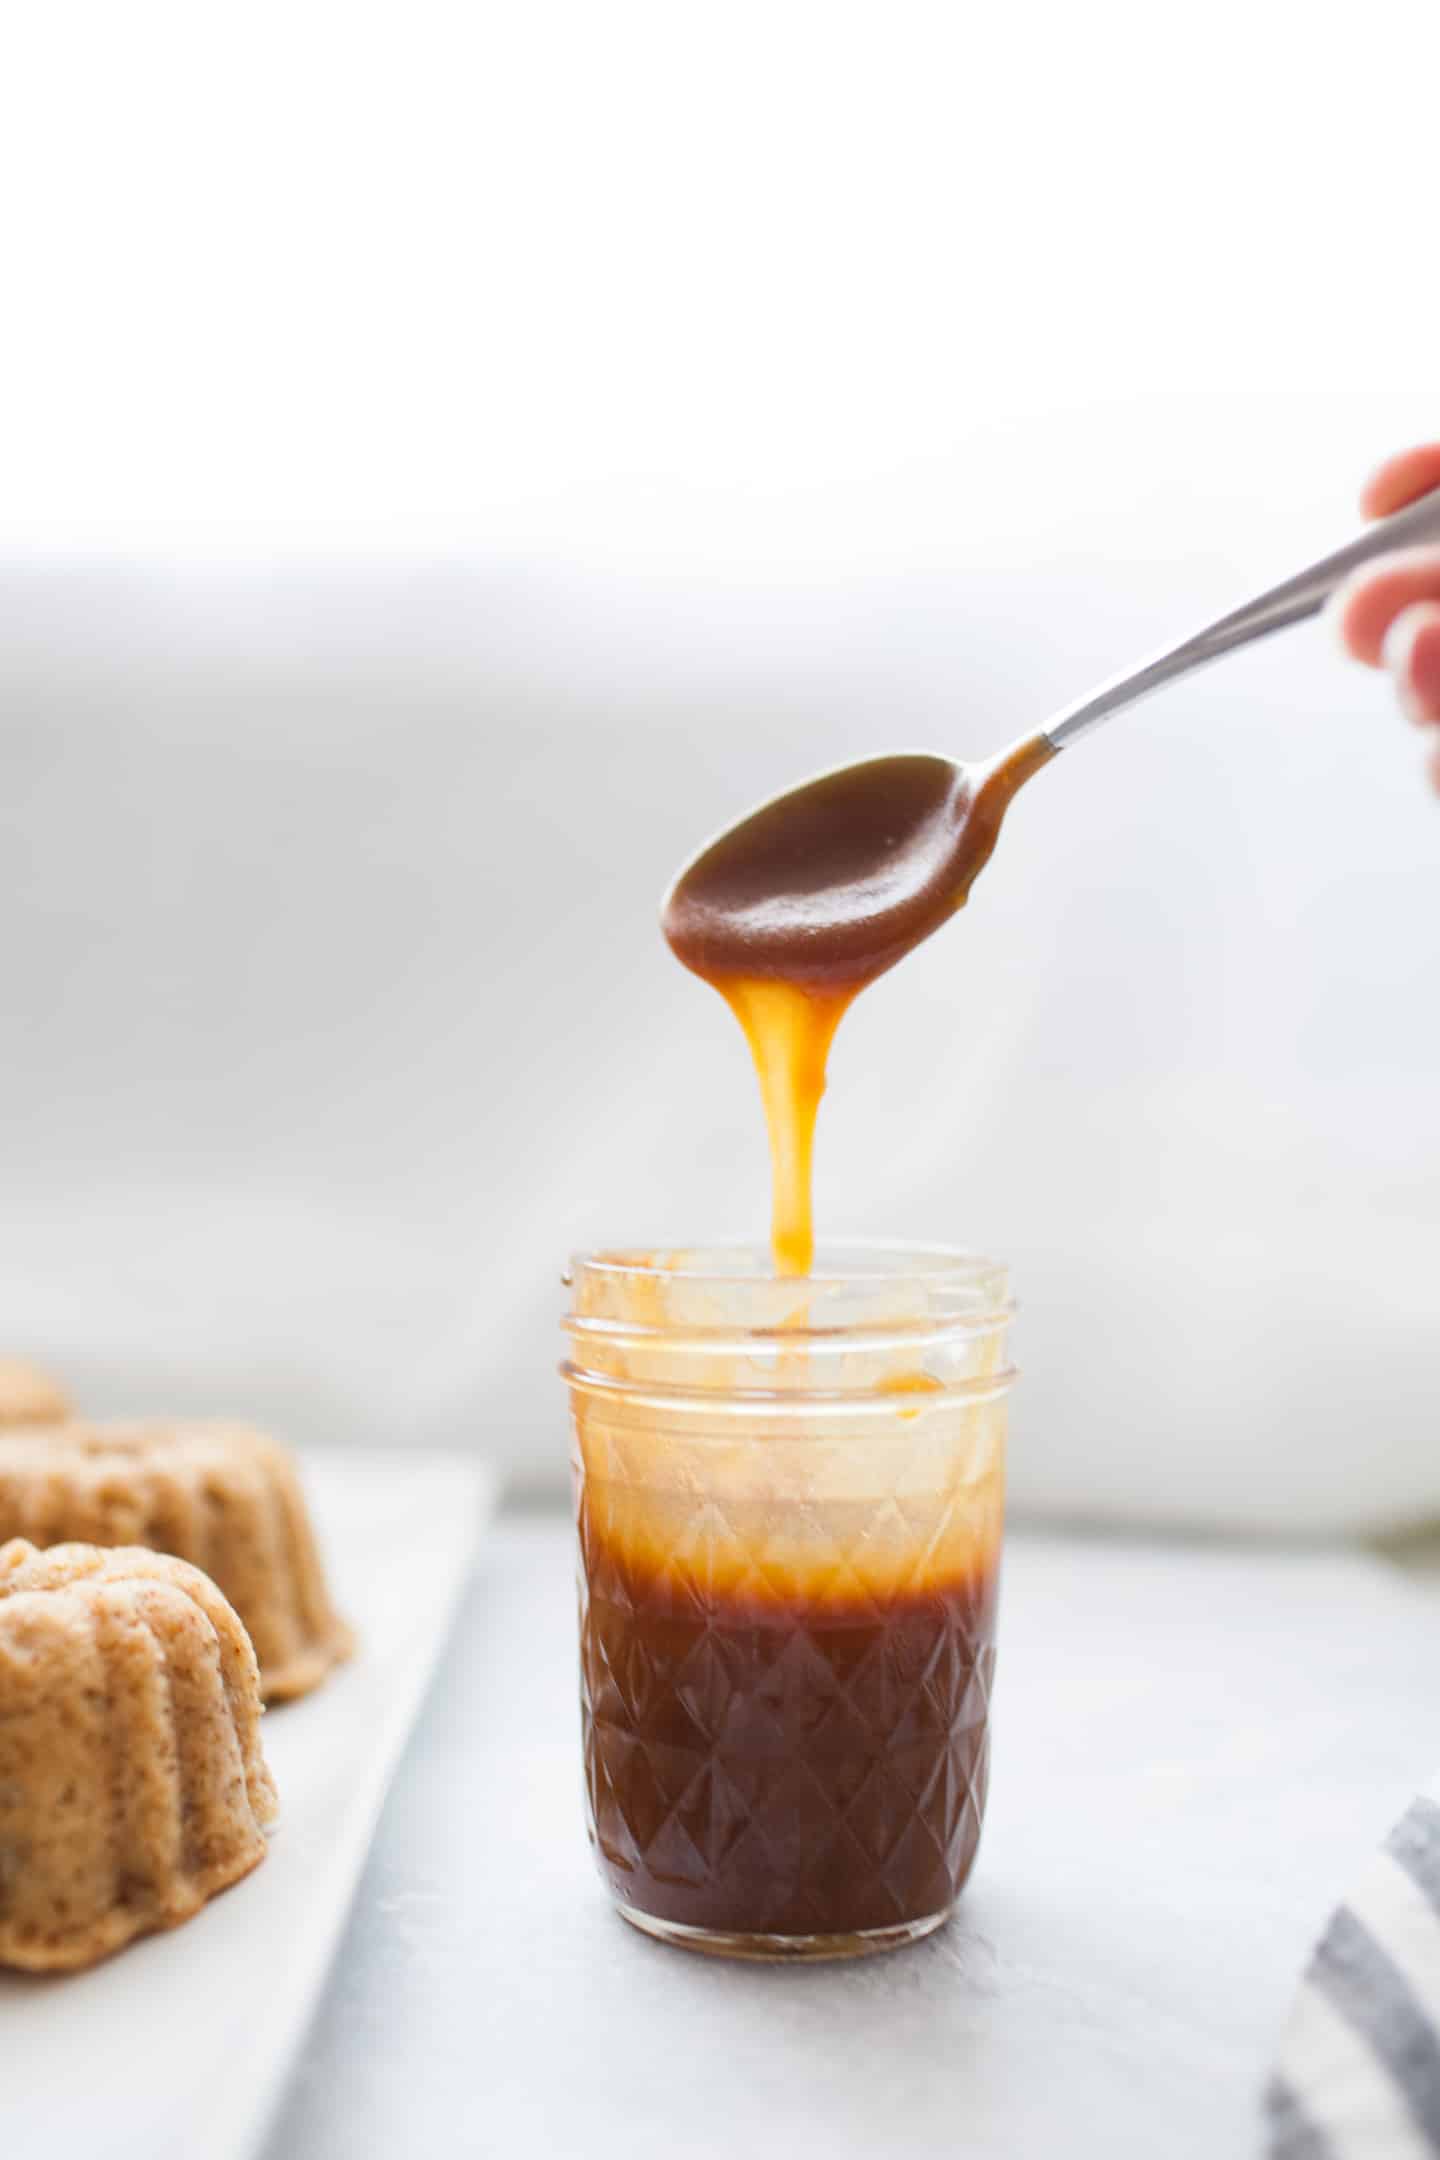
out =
column 789, row 1497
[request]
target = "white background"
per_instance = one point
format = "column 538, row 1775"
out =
column 455, row 457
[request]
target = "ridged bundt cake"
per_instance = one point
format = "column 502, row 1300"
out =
column 226, row 1499
column 132, row 1785
column 29, row 1396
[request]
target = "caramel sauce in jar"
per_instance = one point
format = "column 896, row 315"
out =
column 789, row 1568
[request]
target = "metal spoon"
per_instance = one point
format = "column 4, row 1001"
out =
column 833, row 882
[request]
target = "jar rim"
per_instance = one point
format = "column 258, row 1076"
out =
column 656, row 1322
column 848, row 1262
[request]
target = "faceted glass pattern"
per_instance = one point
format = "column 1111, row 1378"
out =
column 769, row 1767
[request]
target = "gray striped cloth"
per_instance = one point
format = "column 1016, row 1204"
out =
column 1358, row 2076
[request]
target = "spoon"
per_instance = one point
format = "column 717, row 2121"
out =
column 830, row 884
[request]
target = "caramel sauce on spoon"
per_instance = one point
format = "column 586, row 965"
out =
column 794, row 910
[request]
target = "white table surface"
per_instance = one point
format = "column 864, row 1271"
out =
column 1194, row 1750
column 219, row 2005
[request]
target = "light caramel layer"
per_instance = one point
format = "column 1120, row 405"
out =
column 782, row 1517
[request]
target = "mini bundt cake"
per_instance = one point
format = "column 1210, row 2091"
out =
column 132, row 1785
column 226, row 1499
column 29, row 1396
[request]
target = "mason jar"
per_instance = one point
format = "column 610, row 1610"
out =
column 789, row 1496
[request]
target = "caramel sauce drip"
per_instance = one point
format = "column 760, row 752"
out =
column 791, row 913
column 789, row 1029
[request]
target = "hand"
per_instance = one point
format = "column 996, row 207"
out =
column 1390, row 617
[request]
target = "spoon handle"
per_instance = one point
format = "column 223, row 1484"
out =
column 1294, row 601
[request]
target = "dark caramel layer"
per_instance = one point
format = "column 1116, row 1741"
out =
column 789, row 1768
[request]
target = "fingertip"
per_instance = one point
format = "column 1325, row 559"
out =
column 1400, row 480
column 1365, row 607
column 1348, row 615
column 1411, row 652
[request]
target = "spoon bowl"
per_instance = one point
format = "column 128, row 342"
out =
column 831, row 883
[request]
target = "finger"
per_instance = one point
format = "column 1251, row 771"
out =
column 1412, row 473
column 1412, row 655
column 1366, row 606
